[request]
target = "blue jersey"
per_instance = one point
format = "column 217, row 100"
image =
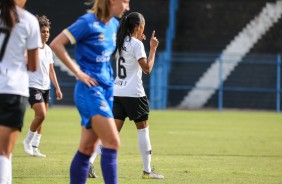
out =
column 94, row 42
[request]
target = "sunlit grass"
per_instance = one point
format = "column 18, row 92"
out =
column 188, row 147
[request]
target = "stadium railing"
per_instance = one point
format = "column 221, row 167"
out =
column 255, row 81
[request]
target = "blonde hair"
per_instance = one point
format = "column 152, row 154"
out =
column 100, row 9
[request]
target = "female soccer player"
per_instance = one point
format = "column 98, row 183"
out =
column 39, row 89
column 19, row 32
column 129, row 96
column 94, row 35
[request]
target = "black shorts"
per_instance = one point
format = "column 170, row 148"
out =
column 12, row 109
column 38, row 96
column 136, row 109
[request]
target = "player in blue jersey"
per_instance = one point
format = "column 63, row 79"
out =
column 94, row 36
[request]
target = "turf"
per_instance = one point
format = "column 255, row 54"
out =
column 196, row 147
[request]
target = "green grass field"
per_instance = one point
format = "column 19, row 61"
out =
column 199, row 147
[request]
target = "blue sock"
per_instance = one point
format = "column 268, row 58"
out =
column 109, row 166
column 79, row 168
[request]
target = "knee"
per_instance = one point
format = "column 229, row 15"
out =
column 41, row 116
column 5, row 153
column 86, row 149
column 113, row 143
column 116, row 143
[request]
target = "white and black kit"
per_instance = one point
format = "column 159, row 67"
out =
column 39, row 81
column 129, row 95
column 13, row 70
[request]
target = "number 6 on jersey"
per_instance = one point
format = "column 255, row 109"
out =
column 120, row 68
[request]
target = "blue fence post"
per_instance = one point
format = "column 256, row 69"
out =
column 278, row 82
column 153, row 83
column 159, row 82
column 152, row 87
column 170, row 34
column 164, row 87
column 159, row 76
column 220, row 87
column 156, row 82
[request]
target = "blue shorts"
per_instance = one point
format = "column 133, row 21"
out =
column 93, row 101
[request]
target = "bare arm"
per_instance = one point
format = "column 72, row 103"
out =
column 147, row 64
column 32, row 60
column 58, row 46
column 54, row 80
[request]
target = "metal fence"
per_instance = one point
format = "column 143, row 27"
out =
column 254, row 82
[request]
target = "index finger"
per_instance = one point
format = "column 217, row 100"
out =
column 153, row 34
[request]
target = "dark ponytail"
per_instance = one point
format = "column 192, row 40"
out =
column 127, row 25
column 9, row 16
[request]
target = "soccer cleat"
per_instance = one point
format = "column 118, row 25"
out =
column 36, row 153
column 151, row 175
column 28, row 148
column 91, row 172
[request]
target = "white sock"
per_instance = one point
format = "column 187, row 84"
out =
column 10, row 170
column 4, row 170
column 97, row 152
column 145, row 148
column 36, row 140
column 29, row 136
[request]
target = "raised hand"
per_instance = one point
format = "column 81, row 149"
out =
column 154, row 41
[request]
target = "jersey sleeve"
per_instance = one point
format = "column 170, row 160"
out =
column 34, row 38
column 51, row 58
column 77, row 31
column 50, row 55
column 139, row 50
